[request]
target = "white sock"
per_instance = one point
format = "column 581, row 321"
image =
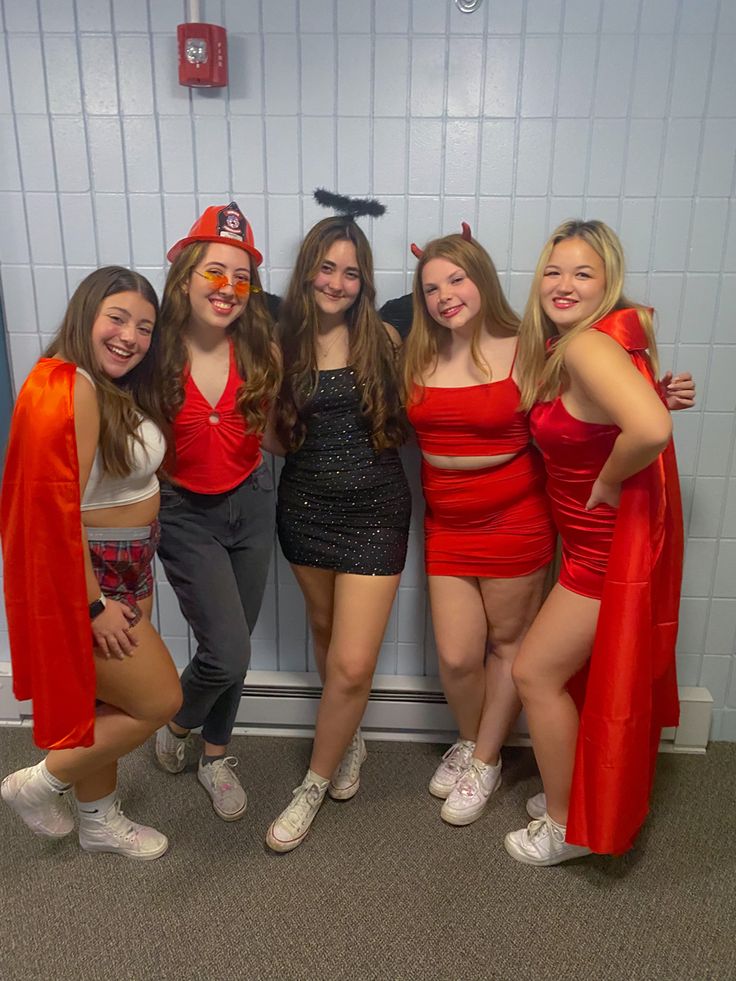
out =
column 313, row 777
column 58, row 785
column 561, row 828
column 486, row 766
column 95, row 810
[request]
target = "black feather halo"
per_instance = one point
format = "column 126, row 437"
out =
column 350, row 207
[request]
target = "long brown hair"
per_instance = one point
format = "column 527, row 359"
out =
column 251, row 333
column 372, row 353
column 542, row 377
column 426, row 336
column 121, row 401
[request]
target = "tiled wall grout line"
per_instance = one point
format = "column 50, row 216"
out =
column 555, row 117
column 22, row 191
column 157, row 131
column 622, row 112
column 481, row 118
column 123, row 143
column 591, row 117
column 515, row 163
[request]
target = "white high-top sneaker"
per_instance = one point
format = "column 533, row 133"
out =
column 46, row 811
column 292, row 826
column 114, row 832
column 346, row 778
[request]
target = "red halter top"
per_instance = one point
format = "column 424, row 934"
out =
column 214, row 450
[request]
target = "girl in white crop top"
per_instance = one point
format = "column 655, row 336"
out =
column 147, row 452
column 109, row 333
column 105, row 491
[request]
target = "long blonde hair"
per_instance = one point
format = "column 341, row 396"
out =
column 372, row 353
column 542, row 376
column 426, row 336
column 251, row 334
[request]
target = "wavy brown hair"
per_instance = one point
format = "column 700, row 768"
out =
column 121, row 401
column 427, row 336
column 373, row 355
column 251, row 333
column 542, row 376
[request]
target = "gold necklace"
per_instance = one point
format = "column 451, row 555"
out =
column 322, row 351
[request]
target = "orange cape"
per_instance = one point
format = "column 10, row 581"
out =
column 45, row 587
column 631, row 687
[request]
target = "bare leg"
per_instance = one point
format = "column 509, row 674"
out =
column 362, row 605
column 557, row 645
column 140, row 693
column 479, row 625
column 318, row 587
column 349, row 613
column 461, row 632
column 510, row 607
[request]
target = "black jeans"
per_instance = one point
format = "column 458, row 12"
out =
column 216, row 550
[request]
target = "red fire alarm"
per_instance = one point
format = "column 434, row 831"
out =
column 202, row 55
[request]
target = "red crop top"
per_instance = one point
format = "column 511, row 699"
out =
column 214, row 450
column 473, row 420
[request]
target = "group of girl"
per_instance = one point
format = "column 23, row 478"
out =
column 209, row 382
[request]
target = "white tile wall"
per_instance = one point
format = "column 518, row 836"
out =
column 514, row 117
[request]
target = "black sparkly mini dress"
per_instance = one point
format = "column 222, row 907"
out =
column 341, row 505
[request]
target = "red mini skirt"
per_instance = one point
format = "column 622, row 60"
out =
column 493, row 523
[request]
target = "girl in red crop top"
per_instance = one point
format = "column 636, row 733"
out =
column 604, row 432
column 488, row 531
column 221, row 372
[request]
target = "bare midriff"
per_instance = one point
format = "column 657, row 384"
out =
column 134, row 515
column 467, row 462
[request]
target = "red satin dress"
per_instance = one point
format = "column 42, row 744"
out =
column 628, row 690
column 493, row 522
column 574, row 453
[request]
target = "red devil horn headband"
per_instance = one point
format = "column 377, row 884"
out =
column 466, row 234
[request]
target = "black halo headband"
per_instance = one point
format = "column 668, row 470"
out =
column 351, row 208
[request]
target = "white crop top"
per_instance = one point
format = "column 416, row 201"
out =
column 106, row 491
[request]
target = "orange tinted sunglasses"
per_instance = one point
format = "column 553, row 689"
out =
column 241, row 287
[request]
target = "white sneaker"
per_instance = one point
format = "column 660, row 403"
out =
column 346, row 778
column 536, row 806
column 468, row 798
column 542, row 842
column 116, row 833
column 171, row 752
column 292, row 826
column 219, row 780
column 454, row 763
column 46, row 811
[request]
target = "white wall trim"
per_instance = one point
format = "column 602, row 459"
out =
column 403, row 709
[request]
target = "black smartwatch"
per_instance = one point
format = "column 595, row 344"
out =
column 97, row 607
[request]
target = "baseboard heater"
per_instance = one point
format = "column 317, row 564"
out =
column 414, row 709
column 283, row 703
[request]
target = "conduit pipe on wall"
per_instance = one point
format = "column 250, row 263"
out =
column 202, row 51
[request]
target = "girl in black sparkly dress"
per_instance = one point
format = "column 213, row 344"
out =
column 343, row 503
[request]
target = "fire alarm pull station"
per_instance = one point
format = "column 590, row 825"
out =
column 202, row 55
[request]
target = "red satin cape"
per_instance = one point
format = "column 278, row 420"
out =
column 43, row 561
column 630, row 691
